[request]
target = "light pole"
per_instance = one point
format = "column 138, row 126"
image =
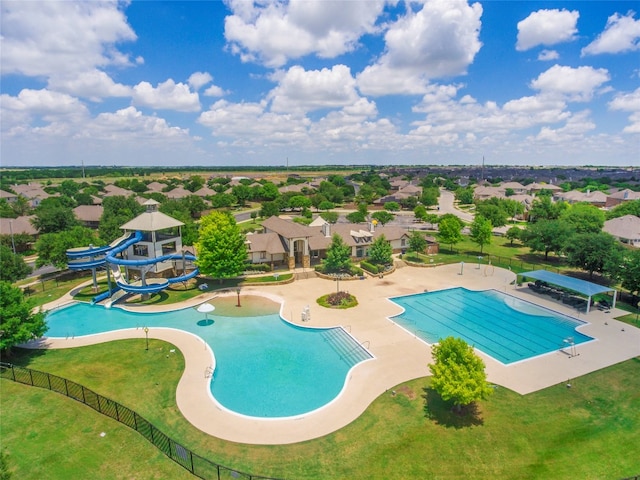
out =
column 146, row 334
column 238, row 292
column 461, row 267
column 479, row 260
column 13, row 243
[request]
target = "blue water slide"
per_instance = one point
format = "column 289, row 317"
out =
column 105, row 295
column 118, row 246
column 146, row 261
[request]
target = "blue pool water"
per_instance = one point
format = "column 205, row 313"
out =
column 265, row 367
column 502, row 326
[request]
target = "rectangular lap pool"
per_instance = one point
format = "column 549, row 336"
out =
column 502, row 326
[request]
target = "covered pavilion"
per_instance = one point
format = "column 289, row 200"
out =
column 574, row 284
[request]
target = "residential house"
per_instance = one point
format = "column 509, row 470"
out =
column 597, row 198
column 178, row 193
column 295, row 245
column 33, row 192
column 625, row 228
column 89, row 215
column 8, row 196
column 621, row 196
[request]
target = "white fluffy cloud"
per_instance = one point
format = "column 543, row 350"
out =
column 575, row 84
column 547, row 27
column 305, row 90
column 440, row 40
column 93, row 84
column 43, row 38
column 621, row 34
column 166, row 96
column 197, row 80
column 130, row 124
column 628, row 102
column 275, row 32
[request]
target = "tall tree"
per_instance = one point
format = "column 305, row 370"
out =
column 546, row 236
column 449, row 231
column 381, row 251
column 382, row 216
column 594, row 252
column 584, row 217
column 52, row 247
column 18, row 322
column 117, row 210
column 338, row 255
column 222, row 252
column 630, row 273
column 54, row 219
column 458, row 373
column 12, row 266
column 417, row 242
column 481, row 231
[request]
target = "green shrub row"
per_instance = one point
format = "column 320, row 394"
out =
column 369, row 267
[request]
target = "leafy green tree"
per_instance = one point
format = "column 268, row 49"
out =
column 52, row 247
column 417, row 242
column 222, row 200
column 594, row 252
column 430, row 196
column 12, row 266
column 54, row 219
column 269, row 192
column 481, row 231
column 326, row 205
column 356, row 217
column 381, row 251
column 117, row 210
column 331, row 217
column 195, row 182
column 338, row 256
column 299, row 202
column 630, row 273
column 464, row 195
column 584, row 217
column 5, row 209
column 496, row 214
column 242, row 193
column 543, row 208
column 367, row 194
column 513, row 234
column 222, row 252
column 458, row 374
column 269, row 209
column 18, row 323
column 382, row 216
column 546, row 236
column 409, row 203
column 22, row 241
column 420, row 212
column 631, row 207
column 392, row 206
column 449, row 230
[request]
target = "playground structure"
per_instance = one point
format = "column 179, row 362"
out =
column 148, row 249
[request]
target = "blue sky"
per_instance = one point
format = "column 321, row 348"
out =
column 319, row 82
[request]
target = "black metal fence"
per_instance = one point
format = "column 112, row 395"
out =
column 197, row 465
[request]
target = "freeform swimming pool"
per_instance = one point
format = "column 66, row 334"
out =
column 265, row 366
column 502, row 326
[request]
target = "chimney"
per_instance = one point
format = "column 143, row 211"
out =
column 326, row 229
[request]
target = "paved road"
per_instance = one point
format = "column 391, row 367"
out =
column 446, row 205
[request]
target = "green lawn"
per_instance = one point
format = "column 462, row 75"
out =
column 588, row 431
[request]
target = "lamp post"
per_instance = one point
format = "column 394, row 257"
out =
column 238, row 293
column 13, row 243
column 337, row 284
column 146, row 334
column 461, row 268
column 479, row 260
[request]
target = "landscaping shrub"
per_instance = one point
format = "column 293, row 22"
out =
column 369, row 267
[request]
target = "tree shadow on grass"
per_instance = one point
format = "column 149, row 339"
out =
column 443, row 413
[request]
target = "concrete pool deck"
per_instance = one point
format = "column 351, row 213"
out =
column 399, row 355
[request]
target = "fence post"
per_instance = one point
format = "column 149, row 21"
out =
column 49, row 380
column 31, row 377
column 66, row 387
column 117, row 412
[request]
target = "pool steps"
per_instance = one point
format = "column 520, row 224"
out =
column 345, row 345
